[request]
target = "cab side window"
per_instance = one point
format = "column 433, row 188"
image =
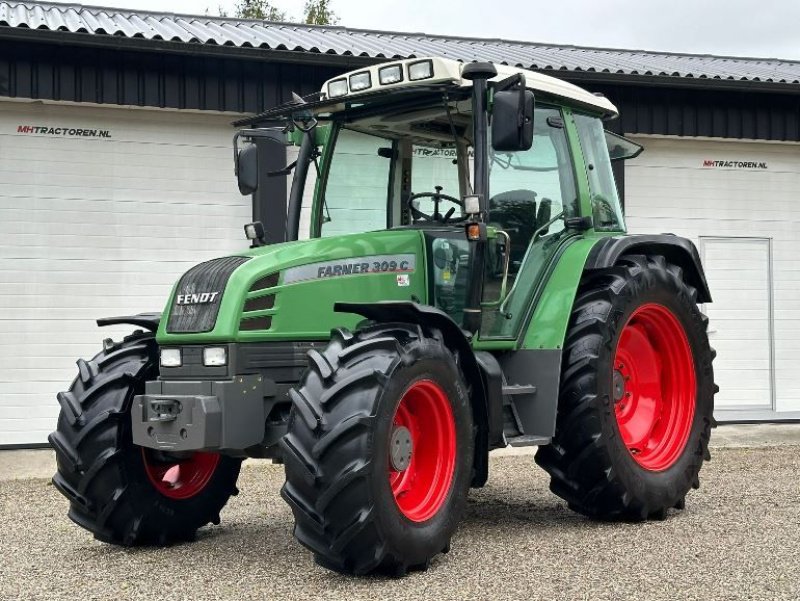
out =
column 357, row 186
column 606, row 211
column 530, row 188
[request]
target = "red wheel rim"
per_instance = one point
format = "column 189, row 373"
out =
column 180, row 479
column 654, row 387
column 421, row 488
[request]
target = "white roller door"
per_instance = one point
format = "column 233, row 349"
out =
column 738, row 201
column 738, row 272
column 101, row 210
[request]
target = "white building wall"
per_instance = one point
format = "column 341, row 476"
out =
column 94, row 226
column 742, row 211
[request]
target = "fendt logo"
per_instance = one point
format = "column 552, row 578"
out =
column 197, row 298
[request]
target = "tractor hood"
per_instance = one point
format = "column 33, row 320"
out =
column 287, row 291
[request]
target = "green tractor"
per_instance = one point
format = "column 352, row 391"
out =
column 456, row 278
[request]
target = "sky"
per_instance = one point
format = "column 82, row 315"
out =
column 763, row 28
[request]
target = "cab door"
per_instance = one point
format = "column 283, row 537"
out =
column 532, row 192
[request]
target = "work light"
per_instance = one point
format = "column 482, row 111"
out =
column 390, row 74
column 420, row 70
column 336, row 88
column 360, row 81
column 472, row 204
column 254, row 231
column 215, row 356
column 171, row 357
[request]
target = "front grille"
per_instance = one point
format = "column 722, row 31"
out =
column 269, row 281
column 260, row 303
column 255, row 323
column 195, row 307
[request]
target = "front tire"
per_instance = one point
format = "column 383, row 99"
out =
column 122, row 493
column 637, row 394
column 379, row 450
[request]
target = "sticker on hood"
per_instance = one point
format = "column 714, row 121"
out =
column 374, row 264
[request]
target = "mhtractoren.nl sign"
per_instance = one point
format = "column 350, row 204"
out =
column 78, row 132
column 711, row 163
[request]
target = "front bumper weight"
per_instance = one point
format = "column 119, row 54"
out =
column 201, row 415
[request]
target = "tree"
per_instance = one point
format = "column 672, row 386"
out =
column 319, row 12
column 259, row 9
column 316, row 12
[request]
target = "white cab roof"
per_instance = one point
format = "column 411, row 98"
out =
column 449, row 71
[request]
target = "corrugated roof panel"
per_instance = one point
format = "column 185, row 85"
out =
column 380, row 44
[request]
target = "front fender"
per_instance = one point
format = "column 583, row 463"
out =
column 148, row 321
column 484, row 381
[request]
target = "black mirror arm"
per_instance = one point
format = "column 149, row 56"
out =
column 285, row 171
column 518, row 82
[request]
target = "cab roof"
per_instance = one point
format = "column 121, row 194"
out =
column 407, row 74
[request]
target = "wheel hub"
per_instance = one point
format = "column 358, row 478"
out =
column 619, row 386
column 400, row 448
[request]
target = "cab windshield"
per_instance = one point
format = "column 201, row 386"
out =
column 394, row 170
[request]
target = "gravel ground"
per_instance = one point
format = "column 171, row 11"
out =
column 739, row 538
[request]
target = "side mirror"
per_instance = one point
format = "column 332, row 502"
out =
column 247, row 169
column 512, row 120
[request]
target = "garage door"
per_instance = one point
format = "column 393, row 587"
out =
column 738, row 202
column 101, row 210
column 739, row 273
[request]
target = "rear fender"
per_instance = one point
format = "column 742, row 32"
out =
column 675, row 249
column 548, row 326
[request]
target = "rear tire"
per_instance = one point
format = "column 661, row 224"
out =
column 357, row 508
column 637, row 394
column 115, row 488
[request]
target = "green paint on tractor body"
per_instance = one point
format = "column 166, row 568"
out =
column 354, row 268
column 368, row 268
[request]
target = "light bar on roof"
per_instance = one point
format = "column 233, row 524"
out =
column 396, row 74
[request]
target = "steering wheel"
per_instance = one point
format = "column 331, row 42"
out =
column 437, row 198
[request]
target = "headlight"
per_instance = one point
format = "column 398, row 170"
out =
column 336, row 88
column 171, row 357
column 420, row 70
column 360, row 81
column 215, row 356
column 390, row 74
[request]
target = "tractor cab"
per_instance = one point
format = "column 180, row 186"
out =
column 406, row 146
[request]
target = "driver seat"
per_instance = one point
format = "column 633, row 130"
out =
column 515, row 212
